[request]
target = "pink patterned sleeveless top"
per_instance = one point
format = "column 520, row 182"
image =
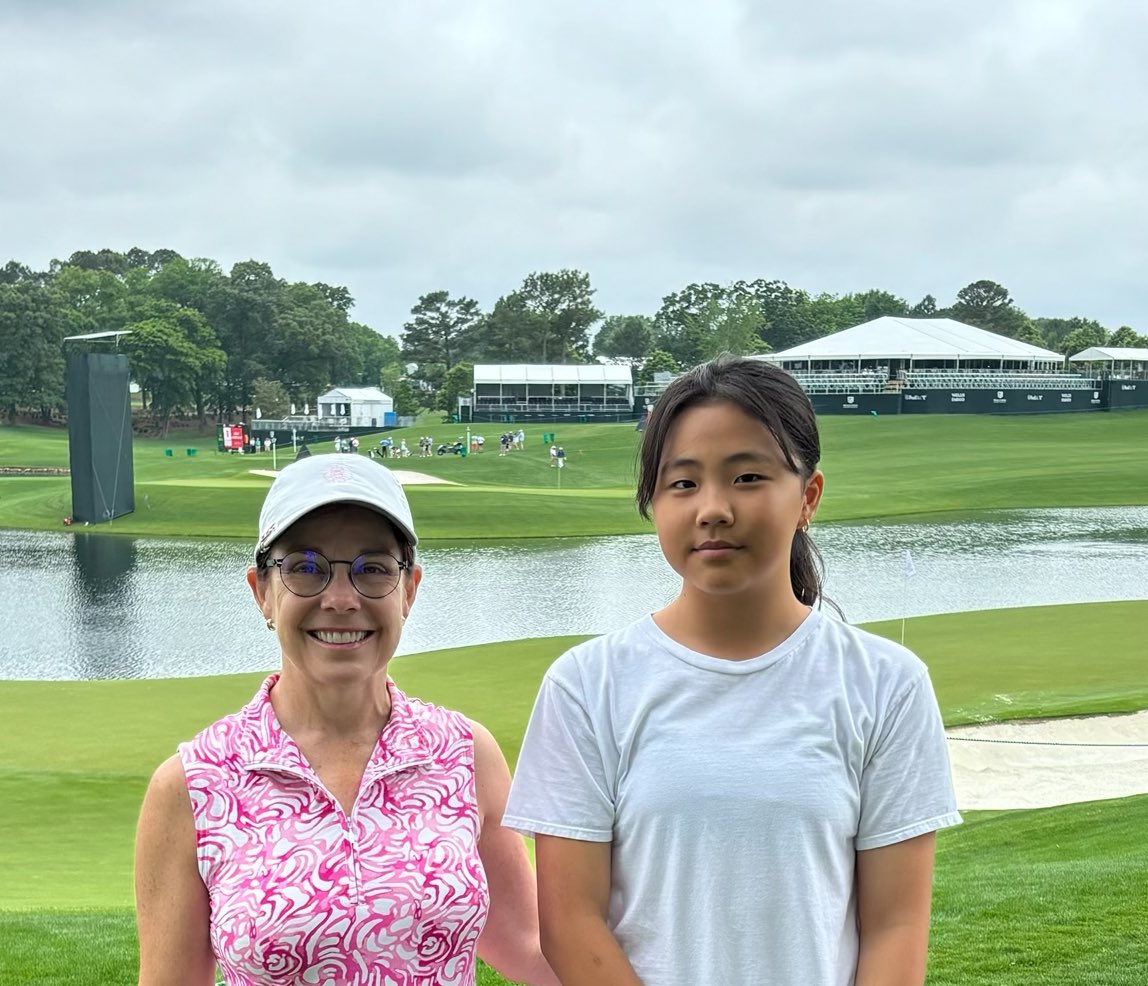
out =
column 393, row 894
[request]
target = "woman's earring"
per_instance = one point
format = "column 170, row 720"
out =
column 270, row 624
column 804, row 528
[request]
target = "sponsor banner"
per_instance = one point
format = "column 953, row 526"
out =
column 230, row 437
column 968, row 401
column 1119, row 394
column 855, row 404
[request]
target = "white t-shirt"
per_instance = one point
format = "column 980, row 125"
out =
column 735, row 793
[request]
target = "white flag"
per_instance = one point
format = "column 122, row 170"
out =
column 258, row 414
column 292, row 408
column 910, row 568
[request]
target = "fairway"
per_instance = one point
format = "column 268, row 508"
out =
column 899, row 466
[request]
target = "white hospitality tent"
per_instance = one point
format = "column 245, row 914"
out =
column 905, row 343
column 1122, row 360
column 363, row 406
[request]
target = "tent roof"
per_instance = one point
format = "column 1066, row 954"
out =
column 99, row 335
column 354, row 394
column 551, row 373
column 1107, row 354
column 915, row 338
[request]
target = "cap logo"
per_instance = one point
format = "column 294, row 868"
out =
column 337, row 474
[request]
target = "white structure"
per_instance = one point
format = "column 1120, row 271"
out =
column 358, row 407
column 938, row 343
column 567, row 388
column 1123, row 362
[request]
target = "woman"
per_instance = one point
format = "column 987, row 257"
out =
column 741, row 788
column 334, row 830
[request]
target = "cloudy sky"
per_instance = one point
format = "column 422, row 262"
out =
column 402, row 146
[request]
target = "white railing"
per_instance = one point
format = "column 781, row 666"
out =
column 841, row 382
column 993, row 380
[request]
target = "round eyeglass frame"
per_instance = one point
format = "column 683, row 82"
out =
column 330, row 564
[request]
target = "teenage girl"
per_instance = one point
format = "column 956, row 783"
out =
column 740, row 788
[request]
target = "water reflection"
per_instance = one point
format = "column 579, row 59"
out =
column 104, row 603
column 103, row 563
column 168, row 608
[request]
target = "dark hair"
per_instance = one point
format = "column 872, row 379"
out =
column 771, row 396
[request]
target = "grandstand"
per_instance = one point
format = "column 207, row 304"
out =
column 941, row 366
column 552, row 392
column 987, row 380
column 874, row 381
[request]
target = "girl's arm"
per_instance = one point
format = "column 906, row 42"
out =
column 573, row 897
column 509, row 942
column 172, row 909
column 894, row 897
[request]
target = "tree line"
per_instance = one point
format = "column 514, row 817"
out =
column 202, row 341
column 549, row 319
column 216, row 345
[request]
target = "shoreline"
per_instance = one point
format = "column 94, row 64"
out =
column 911, row 517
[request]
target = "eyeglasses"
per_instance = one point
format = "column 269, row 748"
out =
column 307, row 573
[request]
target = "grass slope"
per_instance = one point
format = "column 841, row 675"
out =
column 875, row 467
column 1048, row 896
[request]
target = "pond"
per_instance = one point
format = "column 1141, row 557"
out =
column 81, row 605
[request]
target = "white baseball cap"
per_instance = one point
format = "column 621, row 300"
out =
column 320, row 480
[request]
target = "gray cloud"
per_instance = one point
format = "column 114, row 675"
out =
column 403, row 147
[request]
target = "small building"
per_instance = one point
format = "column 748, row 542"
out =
column 357, row 407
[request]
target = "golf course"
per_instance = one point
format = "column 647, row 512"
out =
column 1051, row 895
column 903, row 466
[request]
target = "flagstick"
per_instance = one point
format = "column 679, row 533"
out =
column 909, row 570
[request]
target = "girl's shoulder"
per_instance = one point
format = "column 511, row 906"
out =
column 608, row 650
column 862, row 660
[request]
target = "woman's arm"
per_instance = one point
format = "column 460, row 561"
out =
column 573, row 898
column 894, row 897
column 509, row 942
column 172, row 908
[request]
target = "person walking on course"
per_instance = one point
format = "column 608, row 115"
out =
column 334, row 830
column 740, row 788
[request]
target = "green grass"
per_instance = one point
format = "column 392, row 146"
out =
column 1033, row 662
column 1049, row 896
column 1054, row 894
column 894, row 466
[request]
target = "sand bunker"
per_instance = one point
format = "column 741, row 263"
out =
column 1050, row 762
column 404, row 476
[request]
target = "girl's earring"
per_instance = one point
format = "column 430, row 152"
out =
column 270, row 624
column 804, row 528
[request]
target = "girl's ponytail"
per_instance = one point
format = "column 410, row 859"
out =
column 806, row 568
